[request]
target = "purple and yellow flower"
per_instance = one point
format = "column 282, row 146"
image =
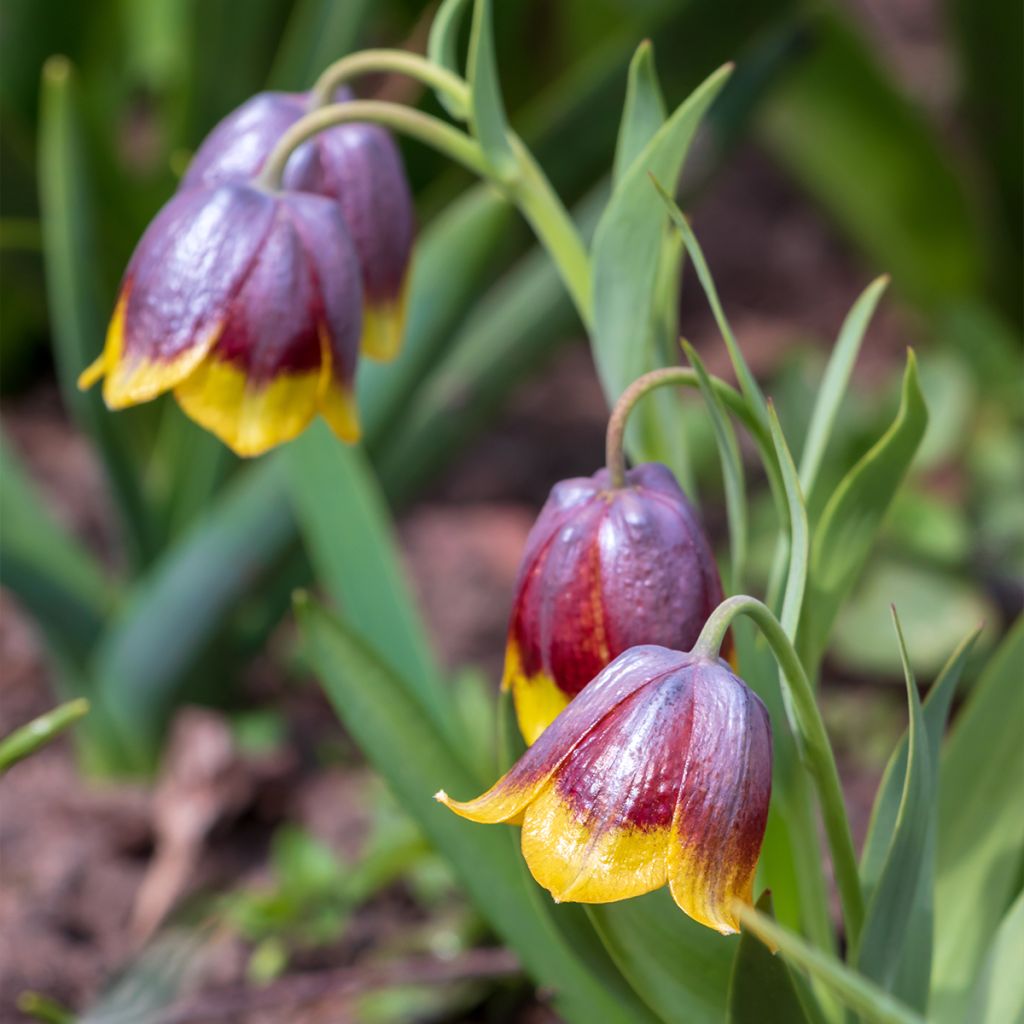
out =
column 605, row 569
column 357, row 165
column 658, row 772
column 247, row 304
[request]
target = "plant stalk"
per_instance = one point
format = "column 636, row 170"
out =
column 816, row 746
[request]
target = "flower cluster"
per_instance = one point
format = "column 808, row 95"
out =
column 647, row 764
column 253, row 304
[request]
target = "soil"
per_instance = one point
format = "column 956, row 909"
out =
column 76, row 853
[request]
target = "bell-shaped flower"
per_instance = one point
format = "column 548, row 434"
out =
column 658, row 772
column 605, row 569
column 247, row 304
column 358, row 165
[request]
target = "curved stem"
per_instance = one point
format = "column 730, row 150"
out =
column 817, row 749
column 434, row 132
column 681, row 376
column 396, row 61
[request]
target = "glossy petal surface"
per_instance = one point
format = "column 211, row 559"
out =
column 659, row 771
column 246, row 304
column 358, row 166
column 604, row 570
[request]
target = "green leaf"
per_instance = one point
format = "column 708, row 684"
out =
column 981, row 826
column 414, row 758
column 42, row 730
column 678, row 967
column 55, row 579
column 748, row 384
column 853, row 515
column 998, row 993
column 914, row 968
column 873, row 1004
column 454, row 260
column 834, row 383
column 77, row 302
column 347, row 531
column 443, row 48
column 318, row 32
column 180, row 604
column 762, row 990
column 732, row 471
column 513, row 328
column 838, row 121
column 486, row 109
column 643, row 113
column 893, row 902
column 633, row 223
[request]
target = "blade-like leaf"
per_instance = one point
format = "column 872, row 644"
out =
column 643, row 113
column 732, row 471
column 180, row 604
column 748, row 385
column 318, row 32
column 679, row 968
column 55, row 578
column 454, row 258
column 486, row 109
column 998, row 993
column 763, row 989
column 414, row 758
column 346, row 528
column 834, row 383
column 443, row 48
column 40, row 731
column 633, row 223
column 862, row 996
column 77, row 302
column 853, row 515
column 892, row 905
column 981, row 826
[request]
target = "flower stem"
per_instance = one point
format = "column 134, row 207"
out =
column 816, row 747
column 396, row 61
column 430, row 130
column 682, row 377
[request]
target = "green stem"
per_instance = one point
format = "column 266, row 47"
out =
column 395, row 61
column 816, row 747
column 430, row 130
column 40, row 731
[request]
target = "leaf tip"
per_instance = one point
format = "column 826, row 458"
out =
column 57, row 69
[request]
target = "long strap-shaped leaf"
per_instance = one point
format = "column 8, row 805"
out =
column 981, row 826
column 853, row 515
column 415, row 759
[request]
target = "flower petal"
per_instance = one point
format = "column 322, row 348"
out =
column 249, row 416
column 509, row 796
column 722, row 811
column 600, row 828
column 537, row 698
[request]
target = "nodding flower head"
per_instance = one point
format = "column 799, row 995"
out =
column 605, row 569
column 658, row 772
column 357, row 165
column 247, row 304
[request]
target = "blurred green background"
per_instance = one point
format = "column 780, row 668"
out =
column 854, row 139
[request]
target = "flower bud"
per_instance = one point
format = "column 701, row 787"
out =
column 226, row 301
column 358, row 165
column 658, row 772
column 604, row 570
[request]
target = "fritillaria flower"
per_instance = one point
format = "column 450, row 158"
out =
column 358, row 165
column 658, row 772
column 247, row 304
column 605, row 569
